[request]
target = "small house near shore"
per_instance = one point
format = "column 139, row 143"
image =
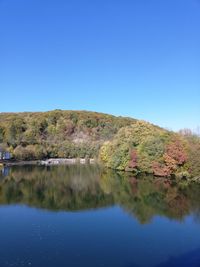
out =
column 4, row 155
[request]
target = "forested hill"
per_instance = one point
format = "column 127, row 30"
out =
column 120, row 143
column 58, row 133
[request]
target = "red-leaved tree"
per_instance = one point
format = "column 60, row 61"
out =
column 176, row 151
column 161, row 169
column 175, row 155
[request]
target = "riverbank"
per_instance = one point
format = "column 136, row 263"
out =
column 47, row 162
column 64, row 161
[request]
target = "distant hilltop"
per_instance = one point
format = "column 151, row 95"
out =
column 120, row 143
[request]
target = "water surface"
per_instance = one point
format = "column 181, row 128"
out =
column 86, row 216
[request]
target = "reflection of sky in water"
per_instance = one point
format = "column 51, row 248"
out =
column 105, row 237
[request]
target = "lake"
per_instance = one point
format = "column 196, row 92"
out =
column 65, row 216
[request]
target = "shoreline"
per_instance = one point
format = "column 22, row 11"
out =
column 47, row 162
column 73, row 161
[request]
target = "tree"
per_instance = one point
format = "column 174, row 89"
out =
column 160, row 169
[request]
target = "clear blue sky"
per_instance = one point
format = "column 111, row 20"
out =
column 139, row 58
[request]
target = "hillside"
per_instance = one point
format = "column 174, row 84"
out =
column 58, row 133
column 120, row 143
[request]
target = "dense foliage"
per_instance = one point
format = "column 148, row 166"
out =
column 120, row 143
column 143, row 147
column 57, row 133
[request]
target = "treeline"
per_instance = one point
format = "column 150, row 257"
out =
column 57, row 133
column 120, row 143
column 143, row 147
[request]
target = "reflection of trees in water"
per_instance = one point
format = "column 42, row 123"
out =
column 86, row 187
